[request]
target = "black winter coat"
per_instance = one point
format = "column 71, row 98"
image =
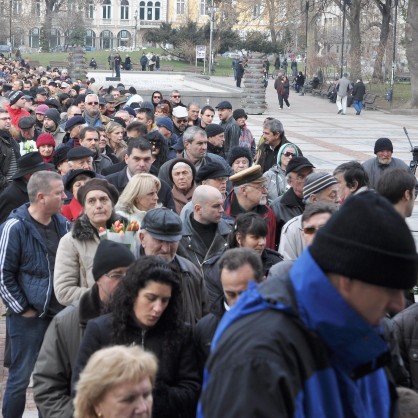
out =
column 15, row 195
column 178, row 383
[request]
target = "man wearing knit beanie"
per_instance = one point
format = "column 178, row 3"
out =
column 52, row 375
column 216, row 139
column 16, row 107
column 383, row 148
column 51, row 125
column 322, row 316
column 318, row 187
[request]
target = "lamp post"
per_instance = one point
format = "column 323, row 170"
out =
column 345, row 3
column 212, row 11
column 392, row 76
column 136, row 27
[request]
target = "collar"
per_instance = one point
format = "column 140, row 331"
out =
column 355, row 346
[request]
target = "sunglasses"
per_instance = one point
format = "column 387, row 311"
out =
column 289, row 154
column 310, row 230
column 92, row 103
column 176, row 97
column 182, row 120
column 155, row 144
column 158, row 97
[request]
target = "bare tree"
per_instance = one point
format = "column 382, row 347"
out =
column 411, row 45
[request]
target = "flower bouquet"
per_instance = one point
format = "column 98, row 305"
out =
column 121, row 233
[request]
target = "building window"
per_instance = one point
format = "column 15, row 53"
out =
column 37, row 10
column 204, row 8
column 149, row 10
column 106, row 39
column 54, row 40
column 34, row 38
column 17, row 7
column 180, row 6
column 106, row 9
column 124, row 38
column 71, row 6
column 157, row 10
column 257, row 10
column 124, row 10
column 142, row 10
column 90, row 38
column 90, row 10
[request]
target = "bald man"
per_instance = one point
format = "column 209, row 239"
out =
column 204, row 231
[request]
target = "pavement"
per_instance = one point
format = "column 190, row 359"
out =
column 326, row 139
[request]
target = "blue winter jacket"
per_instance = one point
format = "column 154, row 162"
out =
column 293, row 348
column 26, row 277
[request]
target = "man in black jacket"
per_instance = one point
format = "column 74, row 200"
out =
column 358, row 93
column 237, row 268
column 9, row 150
column 138, row 160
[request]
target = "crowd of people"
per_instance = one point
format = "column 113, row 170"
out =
column 255, row 285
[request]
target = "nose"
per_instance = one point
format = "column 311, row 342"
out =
column 397, row 301
column 157, row 307
column 262, row 241
column 141, row 406
column 165, row 246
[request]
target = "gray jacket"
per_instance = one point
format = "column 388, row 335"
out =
column 343, row 86
column 276, row 182
column 100, row 162
column 375, row 170
column 291, row 239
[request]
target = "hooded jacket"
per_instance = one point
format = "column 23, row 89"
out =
column 309, row 352
column 26, row 277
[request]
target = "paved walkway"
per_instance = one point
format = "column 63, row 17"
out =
column 327, row 140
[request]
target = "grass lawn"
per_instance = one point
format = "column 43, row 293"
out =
column 401, row 94
column 223, row 66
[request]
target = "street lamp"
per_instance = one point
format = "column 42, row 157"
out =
column 345, row 3
column 392, row 76
column 136, row 27
column 212, row 13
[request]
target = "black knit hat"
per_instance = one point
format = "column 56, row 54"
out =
column 110, row 255
column 54, row 115
column 368, row 240
column 239, row 152
column 383, row 144
column 214, row 129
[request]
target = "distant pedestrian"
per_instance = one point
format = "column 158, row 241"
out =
column 234, row 67
column 117, row 61
column 151, row 62
column 282, row 87
column 144, row 62
column 128, row 64
column 343, row 87
column 276, row 67
column 284, row 66
column 358, row 93
column 240, row 73
column 157, row 63
column 294, row 67
column 300, row 81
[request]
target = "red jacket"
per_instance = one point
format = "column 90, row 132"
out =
column 73, row 210
column 16, row 114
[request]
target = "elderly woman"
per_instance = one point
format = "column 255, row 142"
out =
column 74, row 260
column 145, row 312
column 46, row 146
column 239, row 158
column 182, row 174
column 114, row 134
column 139, row 196
column 276, row 176
column 74, row 181
column 128, row 393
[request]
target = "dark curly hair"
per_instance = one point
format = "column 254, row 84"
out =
column 138, row 276
column 247, row 223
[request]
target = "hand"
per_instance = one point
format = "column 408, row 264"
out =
column 30, row 313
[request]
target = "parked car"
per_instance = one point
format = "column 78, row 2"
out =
column 233, row 55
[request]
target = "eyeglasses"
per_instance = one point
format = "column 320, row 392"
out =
column 157, row 97
column 176, row 97
column 155, row 144
column 181, row 120
column 7, row 118
column 77, row 114
column 261, row 187
column 115, row 276
column 289, row 154
column 92, row 103
column 310, row 230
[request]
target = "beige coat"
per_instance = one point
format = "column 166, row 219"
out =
column 74, row 262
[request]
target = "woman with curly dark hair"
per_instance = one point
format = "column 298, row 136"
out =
column 145, row 311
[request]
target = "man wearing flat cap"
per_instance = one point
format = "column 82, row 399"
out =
column 80, row 158
column 160, row 234
column 310, row 337
column 73, row 127
column 231, row 128
column 383, row 148
column 250, row 195
column 291, row 203
column 28, row 134
column 205, row 233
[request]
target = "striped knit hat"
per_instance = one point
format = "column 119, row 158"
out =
column 316, row 182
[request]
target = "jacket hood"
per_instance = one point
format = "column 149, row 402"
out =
column 282, row 149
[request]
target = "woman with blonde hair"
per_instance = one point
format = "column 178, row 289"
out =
column 114, row 134
column 139, row 196
column 117, row 382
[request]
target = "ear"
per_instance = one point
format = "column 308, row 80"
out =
column 126, row 158
column 238, row 238
column 407, row 195
column 342, row 283
column 141, row 237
